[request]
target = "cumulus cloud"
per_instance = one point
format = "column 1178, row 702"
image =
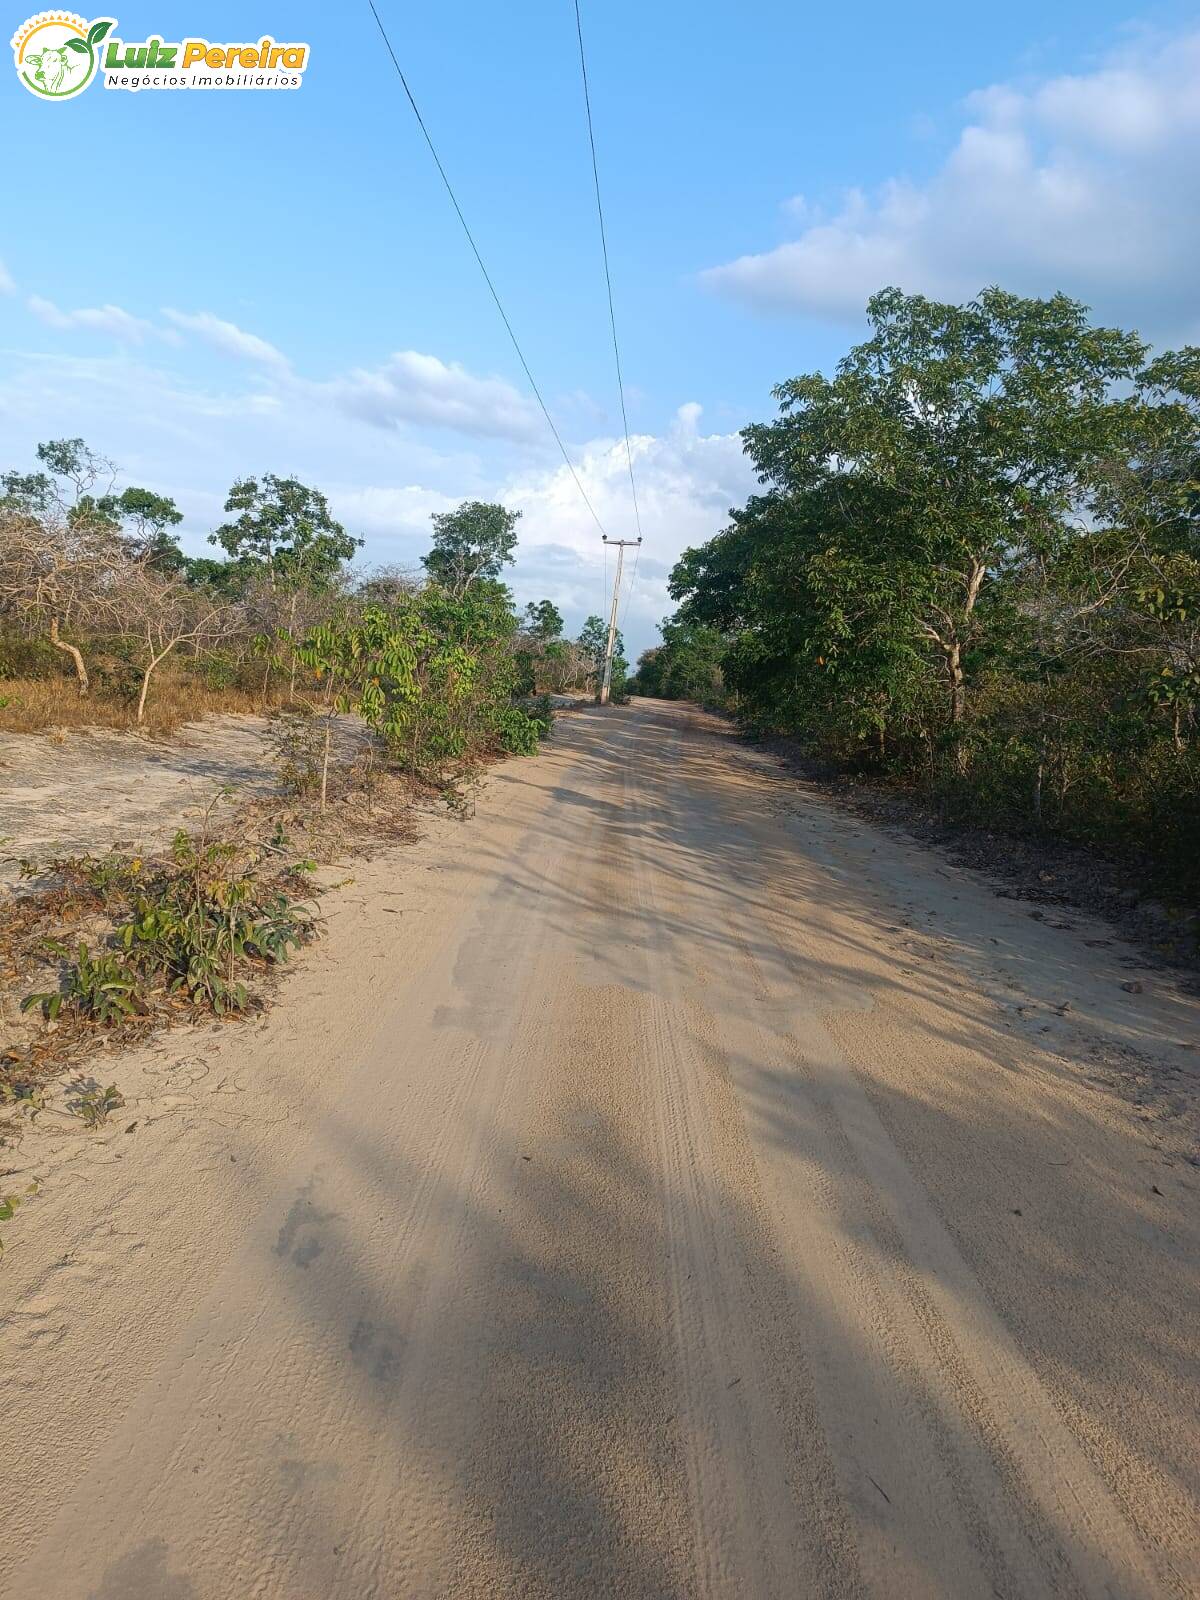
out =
column 99, row 319
column 417, row 388
column 687, row 480
column 227, row 337
column 389, row 514
column 1087, row 183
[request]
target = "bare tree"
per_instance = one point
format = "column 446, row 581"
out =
column 386, row 583
column 164, row 613
column 54, row 571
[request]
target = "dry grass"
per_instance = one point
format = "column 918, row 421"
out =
column 43, row 705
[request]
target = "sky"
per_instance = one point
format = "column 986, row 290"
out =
column 210, row 285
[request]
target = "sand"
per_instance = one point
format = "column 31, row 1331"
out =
column 664, row 1184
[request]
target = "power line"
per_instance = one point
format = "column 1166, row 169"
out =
column 487, row 278
column 612, row 316
column 637, row 556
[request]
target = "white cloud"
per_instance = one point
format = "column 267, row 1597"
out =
column 686, row 481
column 416, row 388
column 387, row 513
column 408, row 387
column 100, row 319
column 7, row 286
column 1087, row 183
column 227, row 337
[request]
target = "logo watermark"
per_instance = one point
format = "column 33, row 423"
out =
column 58, row 54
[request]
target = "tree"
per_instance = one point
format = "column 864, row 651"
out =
column 432, row 672
column 63, row 544
column 592, row 643
column 470, row 545
column 386, row 585
column 686, row 666
column 144, row 518
column 229, row 578
column 285, row 528
column 162, row 611
column 54, row 574
column 288, row 552
column 976, row 563
column 72, row 471
column 985, row 427
column 542, row 621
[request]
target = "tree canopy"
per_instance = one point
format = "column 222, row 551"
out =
column 471, row 544
column 284, row 528
column 975, row 558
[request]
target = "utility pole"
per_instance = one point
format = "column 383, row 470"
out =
column 606, row 677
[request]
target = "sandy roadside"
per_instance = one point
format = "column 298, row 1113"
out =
column 88, row 789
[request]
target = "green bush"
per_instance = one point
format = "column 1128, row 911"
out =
column 518, row 732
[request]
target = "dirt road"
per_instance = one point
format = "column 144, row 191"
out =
column 662, row 1185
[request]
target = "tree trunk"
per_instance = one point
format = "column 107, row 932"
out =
column 325, row 763
column 958, row 692
column 292, row 645
column 958, row 688
column 141, row 705
column 958, row 704
column 73, row 652
column 153, row 662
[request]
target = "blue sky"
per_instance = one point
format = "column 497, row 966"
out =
column 205, row 285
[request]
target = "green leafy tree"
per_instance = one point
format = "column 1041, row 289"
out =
column 975, row 564
column 686, row 666
column 70, row 472
column 434, row 673
column 472, row 544
column 986, row 427
column 284, row 528
column 145, row 518
column 542, row 621
column 592, row 642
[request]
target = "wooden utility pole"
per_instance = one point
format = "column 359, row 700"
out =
column 606, row 676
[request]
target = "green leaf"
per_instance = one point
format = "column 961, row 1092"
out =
column 97, row 31
column 78, row 46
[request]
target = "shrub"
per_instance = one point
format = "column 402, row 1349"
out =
column 518, row 731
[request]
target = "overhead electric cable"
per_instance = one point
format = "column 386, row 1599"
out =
column 487, row 277
column 637, row 556
column 612, row 316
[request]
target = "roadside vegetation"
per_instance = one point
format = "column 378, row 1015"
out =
column 106, row 622
column 974, row 567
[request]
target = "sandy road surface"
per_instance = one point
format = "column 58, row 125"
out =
column 663, row 1185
